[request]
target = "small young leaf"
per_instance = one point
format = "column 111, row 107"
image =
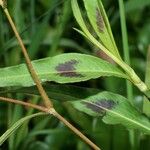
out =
column 114, row 109
column 99, row 21
column 11, row 130
column 115, row 57
column 86, row 33
column 65, row 68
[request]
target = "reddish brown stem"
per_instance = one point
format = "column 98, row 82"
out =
column 76, row 131
column 56, row 114
column 10, row 100
column 30, row 67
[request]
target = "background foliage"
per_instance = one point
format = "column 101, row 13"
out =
column 47, row 30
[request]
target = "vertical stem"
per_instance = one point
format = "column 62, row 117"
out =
column 125, row 46
column 132, row 136
column 76, row 131
column 31, row 69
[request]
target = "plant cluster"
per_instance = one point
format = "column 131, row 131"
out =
column 105, row 108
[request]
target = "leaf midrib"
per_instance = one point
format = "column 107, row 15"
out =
column 47, row 73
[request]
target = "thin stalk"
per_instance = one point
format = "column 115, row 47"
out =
column 10, row 100
column 55, row 114
column 132, row 76
column 31, row 69
column 125, row 46
column 132, row 134
column 75, row 130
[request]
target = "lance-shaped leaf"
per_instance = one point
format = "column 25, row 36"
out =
column 12, row 129
column 99, row 21
column 63, row 68
column 60, row 92
column 85, row 32
column 114, row 109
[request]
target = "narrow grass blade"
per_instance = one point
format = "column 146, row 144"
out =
column 11, row 130
column 65, row 68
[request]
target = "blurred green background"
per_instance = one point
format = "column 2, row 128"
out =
column 46, row 27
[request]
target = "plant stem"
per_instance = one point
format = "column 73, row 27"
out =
column 132, row 134
column 10, row 100
column 31, row 69
column 132, row 76
column 55, row 114
column 125, row 47
column 75, row 130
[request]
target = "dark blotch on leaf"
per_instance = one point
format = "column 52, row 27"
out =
column 68, row 69
column 99, row 20
column 100, row 106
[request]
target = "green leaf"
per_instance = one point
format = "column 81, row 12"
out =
column 65, row 68
column 114, row 109
column 99, row 21
column 60, row 92
column 11, row 130
column 86, row 33
column 78, row 16
column 122, row 113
